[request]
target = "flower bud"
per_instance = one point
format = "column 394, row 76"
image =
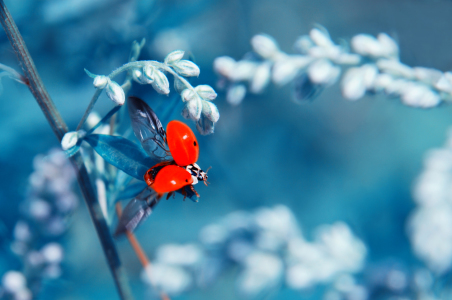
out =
column 69, row 140
column 137, row 76
column 224, row 65
column 367, row 45
column 235, row 94
column 243, row 70
column 186, row 68
column 444, row 85
column 303, row 44
column 210, row 111
column 388, row 46
column 264, row 45
column 115, row 93
column 427, row 75
column 206, row 92
column 324, row 72
column 194, row 108
column 188, row 95
column 261, row 78
column 100, row 81
column 419, row 95
column 284, row 71
column 321, row 38
column 205, row 126
column 353, row 86
column 174, row 56
column 179, row 86
column 395, row 68
column 160, row 83
column 148, row 73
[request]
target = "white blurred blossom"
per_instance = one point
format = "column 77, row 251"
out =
column 373, row 66
column 430, row 225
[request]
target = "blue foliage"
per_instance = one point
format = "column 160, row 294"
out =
column 121, row 153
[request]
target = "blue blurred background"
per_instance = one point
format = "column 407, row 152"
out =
column 327, row 161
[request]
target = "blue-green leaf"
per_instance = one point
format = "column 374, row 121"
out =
column 121, row 153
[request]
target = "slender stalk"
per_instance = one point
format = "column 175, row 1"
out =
column 136, row 49
column 89, row 109
column 37, row 88
column 144, row 260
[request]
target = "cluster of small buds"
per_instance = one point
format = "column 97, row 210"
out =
column 373, row 66
column 50, row 199
column 198, row 106
column 267, row 246
column 430, row 225
column 198, row 100
column 113, row 89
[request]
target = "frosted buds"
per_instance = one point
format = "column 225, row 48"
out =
column 160, row 83
column 101, row 81
column 115, row 93
column 206, row 92
column 144, row 75
column 264, row 45
column 382, row 46
column 197, row 101
column 174, row 57
column 114, row 90
column 69, row 140
column 193, row 109
column 186, row 68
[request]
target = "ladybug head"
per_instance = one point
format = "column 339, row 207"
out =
column 197, row 174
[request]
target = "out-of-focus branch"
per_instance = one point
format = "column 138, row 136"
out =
column 37, row 88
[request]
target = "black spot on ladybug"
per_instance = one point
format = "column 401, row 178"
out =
column 194, row 143
column 186, row 180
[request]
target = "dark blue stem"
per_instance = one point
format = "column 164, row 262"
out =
column 37, row 88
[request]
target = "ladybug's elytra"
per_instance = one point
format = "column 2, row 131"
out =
column 173, row 153
column 170, row 176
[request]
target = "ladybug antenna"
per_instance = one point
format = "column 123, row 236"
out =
column 208, row 169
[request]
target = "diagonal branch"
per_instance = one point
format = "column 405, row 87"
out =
column 37, row 88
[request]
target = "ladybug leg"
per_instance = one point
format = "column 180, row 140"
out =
column 169, row 195
column 193, row 189
column 183, row 192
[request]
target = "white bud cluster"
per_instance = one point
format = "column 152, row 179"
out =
column 322, row 61
column 198, row 101
column 275, row 252
column 198, row 106
column 44, row 217
column 430, row 224
column 113, row 89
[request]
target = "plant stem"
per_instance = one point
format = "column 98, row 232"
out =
column 89, row 109
column 144, row 260
column 37, row 88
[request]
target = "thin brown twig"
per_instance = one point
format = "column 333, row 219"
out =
column 144, row 260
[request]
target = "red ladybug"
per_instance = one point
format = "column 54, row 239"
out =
column 170, row 176
column 173, row 154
